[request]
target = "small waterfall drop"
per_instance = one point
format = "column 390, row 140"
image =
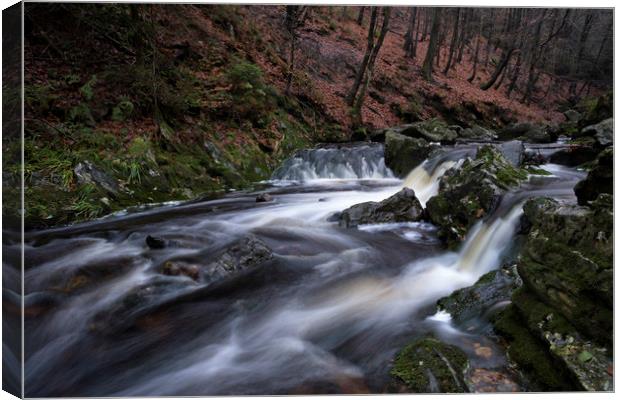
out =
column 335, row 162
column 425, row 184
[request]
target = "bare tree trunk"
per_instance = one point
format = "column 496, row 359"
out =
column 415, row 39
column 357, row 107
column 489, row 39
column 500, row 68
column 427, row 16
column 362, row 69
column 427, row 66
column 464, row 36
column 408, row 47
column 360, row 16
column 455, row 32
column 515, row 76
column 473, row 71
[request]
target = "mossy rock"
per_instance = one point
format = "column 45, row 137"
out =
column 403, row 153
column 430, row 366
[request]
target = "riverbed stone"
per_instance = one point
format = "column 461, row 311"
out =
column 401, row 207
column 603, row 132
column 471, row 192
column 433, row 130
column 241, row 255
column 403, row 153
column 88, row 173
column 428, row 365
column 600, row 179
column 477, row 132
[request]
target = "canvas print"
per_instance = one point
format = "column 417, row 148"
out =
column 214, row 199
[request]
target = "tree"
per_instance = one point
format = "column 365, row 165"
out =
column 455, row 32
column 427, row 66
column 408, row 46
column 473, row 70
column 360, row 16
column 362, row 69
column 374, row 51
column 295, row 18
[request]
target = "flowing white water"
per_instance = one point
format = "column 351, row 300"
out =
column 425, row 184
column 334, row 305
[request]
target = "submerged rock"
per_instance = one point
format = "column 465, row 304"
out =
column 243, row 254
column 513, row 152
column 403, row 153
column 401, row 207
column 574, row 155
column 600, row 179
column 430, row 366
column 180, row 268
column 527, row 132
column 155, row 242
column 264, row 198
column 471, row 192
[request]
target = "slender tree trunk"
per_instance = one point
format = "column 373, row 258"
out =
column 291, row 64
column 360, row 16
column 362, row 69
column 408, row 47
column 500, row 68
column 415, row 38
column 514, row 77
column 473, row 71
column 357, row 106
column 455, row 32
column 427, row 16
column 463, row 37
column 489, row 40
column 427, row 66
column 534, row 56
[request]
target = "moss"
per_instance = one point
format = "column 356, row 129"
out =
column 537, row 171
column 427, row 357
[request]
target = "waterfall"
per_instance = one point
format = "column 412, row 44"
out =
column 425, row 184
column 335, row 162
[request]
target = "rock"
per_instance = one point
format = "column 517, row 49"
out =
column 87, row 173
column 527, row 132
column 433, row 130
column 378, row 135
column 477, row 132
column 177, row 268
column 263, row 198
column 155, row 242
column 471, row 192
column 403, row 153
column 599, row 110
column 513, row 152
column 401, row 207
column 572, row 115
column 600, row 179
column 574, row 155
column 603, row 132
column 243, row 254
column 430, row 366
column 567, row 262
column 473, row 306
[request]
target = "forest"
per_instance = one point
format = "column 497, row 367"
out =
column 296, row 199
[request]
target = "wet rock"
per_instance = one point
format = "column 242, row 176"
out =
column 567, row 262
column 180, row 268
column 155, row 242
column 403, row 153
column 430, row 366
column 471, row 192
column 401, row 207
column 513, row 152
column 243, row 254
column 574, row 155
column 264, row 198
column 87, row 173
column 472, row 307
column 600, row 179
column 603, row 132
column 477, row 132
column 432, row 130
column 601, row 109
column 527, row 132
column 482, row 380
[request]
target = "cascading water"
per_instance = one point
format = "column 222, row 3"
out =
column 335, row 162
column 327, row 313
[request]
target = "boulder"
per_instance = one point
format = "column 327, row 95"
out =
column 527, row 132
column 428, row 365
column 433, row 130
column 180, row 268
column 513, row 152
column 572, row 116
column 472, row 307
column 600, row 179
column 155, row 242
column 403, row 153
column 560, row 322
column 597, row 110
column 603, row 132
column 471, row 192
column 88, row 173
column 477, row 132
column 241, row 255
column 574, row 155
column 401, row 207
